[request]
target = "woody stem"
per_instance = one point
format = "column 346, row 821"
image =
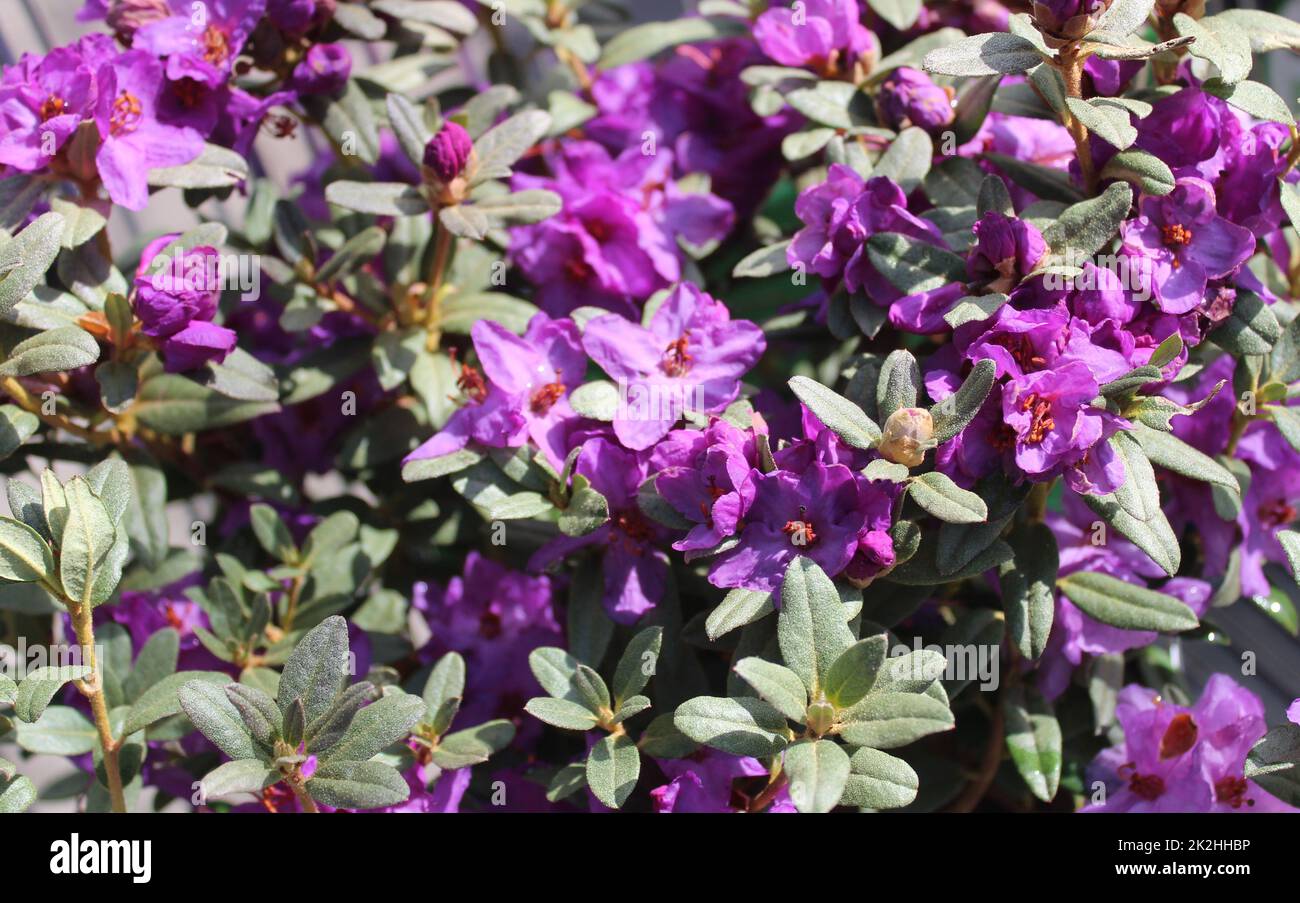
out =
column 1070, row 61
column 92, row 688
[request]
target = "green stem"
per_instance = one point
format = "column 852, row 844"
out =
column 93, row 689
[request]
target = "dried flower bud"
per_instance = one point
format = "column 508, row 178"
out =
column 448, row 152
column 908, row 435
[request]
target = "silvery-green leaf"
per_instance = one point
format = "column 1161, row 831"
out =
column 561, row 713
column 1029, row 587
column 940, row 496
column 1266, row 31
column 39, row 687
column 61, row 349
column 878, row 780
column 985, row 54
column 1134, row 509
column 811, row 628
column 643, row 41
column 499, row 147
column 378, row 198
column 638, row 663
column 818, row 771
column 216, row 717
column 1126, row 605
column 777, row 684
column 598, row 399
column 763, row 262
column 162, row 699
column 61, row 731
column 214, row 167
column 1123, row 17
column 358, row 785
column 239, row 776
column 1168, row 451
column 841, row 416
column 899, row 13
column 317, row 670
column 739, row 726
column 473, row 745
column 25, row 259
column 613, row 766
column 954, row 413
column 376, row 727
column 24, row 554
column 897, row 384
column 854, row 672
column 1151, row 174
column 1257, row 99
column 738, row 608
column 85, row 544
column 907, row 159
column 1219, row 43
column 1034, row 740
column 1084, row 228
column 889, row 720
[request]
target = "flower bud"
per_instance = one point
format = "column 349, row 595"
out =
column 909, row 97
column 820, row 717
column 1062, row 21
column 324, row 70
column 908, row 435
column 448, row 152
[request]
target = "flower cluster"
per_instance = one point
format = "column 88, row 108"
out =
column 781, row 409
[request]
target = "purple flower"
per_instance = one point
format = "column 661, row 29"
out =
column 1006, row 251
column 689, row 356
column 134, row 140
column 525, row 394
column 494, row 617
column 818, row 513
column 1067, row 19
column 324, row 70
column 1178, row 759
column 1075, row 634
column 42, row 102
column 1057, row 430
column 635, row 570
column 823, row 35
column 1180, row 242
column 907, row 97
column 711, row 484
column 830, row 235
column 447, row 152
column 210, row 35
column 176, row 299
column 706, row 782
column 291, row 16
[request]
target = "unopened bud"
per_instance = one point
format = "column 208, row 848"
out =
column 820, row 717
column 908, row 435
column 448, row 152
column 1062, row 21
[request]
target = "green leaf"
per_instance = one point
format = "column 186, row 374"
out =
column 40, row 686
column 358, row 785
column 216, row 717
column 738, row 608
column 841, row 416
column 888, row 720
column 561, row 713
column 474, row 745
column 896, row 387
column 173, row 404
column 1258, row 100
column 444, row 688
column 812, row 629
column 818, row 771
column 214, row 167
column 24, row 556
column 1219, row 43
column 763, row 262
column 239, row 776
column 878, row 780
column 643, row 41
column 777, row 684
column 25, row 258
column 317, row 670
column 853, row 674
column 953, row 414
column 1125, row 605
column 1084, row 228
column 17, row 792
column 555, row 670
column 740, row 726
column 943, row 498
column 1252, row 328
column 1170, row 452
column 503, row 144
column 377, row 198
column 638, row 663
column 162, row 699
column 986, row 54
column 1111, row 124
column 907, row 159
column 376, row 727
column 85, row 545
column 1134, row 509
column 1034, row 740
column 61, row 731
column 1151, row 174
column 261, row 716
column 613, row 766
column 913, row 265
column 408, row 125
column 61, row 349
column 272, row 535
column 1028, row 587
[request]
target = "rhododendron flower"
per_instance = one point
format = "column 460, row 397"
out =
column 824, row 35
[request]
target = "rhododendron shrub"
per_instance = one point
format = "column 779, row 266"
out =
column 841, row 404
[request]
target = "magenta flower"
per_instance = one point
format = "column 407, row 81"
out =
column 134, row 140
column 818, row 513
column 210, row 36
column 712, row 482
column 635, row 570
column 1176, row 759
column 1057, row 430
column 524, row 395
column 1006, row 251
column 447, row 152
column 706, row 781
column 823, row 35
column 830, row 235
column 324, row 70
column 176, row 300
column 1180, row 242
column 42, row 102
column 689, row 356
